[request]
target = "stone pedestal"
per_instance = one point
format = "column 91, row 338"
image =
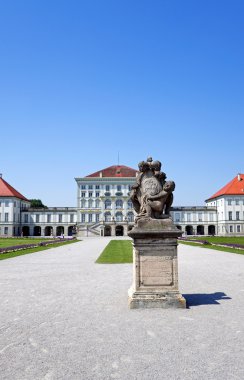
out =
column 155, row 265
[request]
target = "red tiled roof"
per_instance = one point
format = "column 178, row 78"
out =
column 115, row 171
column 6, row 190
column 234, row 187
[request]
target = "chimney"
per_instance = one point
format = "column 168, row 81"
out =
column 101, row 174
column 239, row 177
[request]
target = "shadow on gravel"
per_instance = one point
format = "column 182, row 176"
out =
column 205, row 299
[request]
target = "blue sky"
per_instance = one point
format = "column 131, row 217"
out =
column 82, row 80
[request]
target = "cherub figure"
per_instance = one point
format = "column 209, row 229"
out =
column 158, row 205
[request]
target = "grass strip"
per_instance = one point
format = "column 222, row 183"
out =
column 116, row 252
column 215, row 247
column 9, row 255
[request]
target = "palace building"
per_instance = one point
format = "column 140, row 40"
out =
column 104, row 208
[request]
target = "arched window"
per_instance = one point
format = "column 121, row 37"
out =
column 90, row 203
column 107, row 204
column 119, row 203
column 129, row 203
column 107, row 217
column 119, row 217
column 83, row 203
column 97, row 202
column 130, row 217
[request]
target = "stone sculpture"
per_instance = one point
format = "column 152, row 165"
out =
column 155, row 264
column 152, row 195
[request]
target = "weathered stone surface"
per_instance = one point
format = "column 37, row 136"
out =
column 155, row 271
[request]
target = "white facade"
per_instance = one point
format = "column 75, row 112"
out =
column 104, row 208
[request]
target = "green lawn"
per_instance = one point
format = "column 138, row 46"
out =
column 9, row 255
column 9, row 242
column 116, row 252
column 221, row 239
column 216, row 240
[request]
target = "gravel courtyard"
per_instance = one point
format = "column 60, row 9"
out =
column 65, row 317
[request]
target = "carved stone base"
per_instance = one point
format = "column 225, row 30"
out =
column 155, row 265
column 147, row 300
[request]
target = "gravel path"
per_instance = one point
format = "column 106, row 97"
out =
column 64, row 317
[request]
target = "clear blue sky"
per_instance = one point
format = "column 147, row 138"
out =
column 82, row 80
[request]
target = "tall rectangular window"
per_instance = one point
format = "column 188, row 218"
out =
column 6, row 203
column 83, row 218
column 238, row 228
column 90, row 194
column 71, row 218
column 90, row 218
column 97, row 187
column 5, row 230
column 177, row 217
column 107, row 187
column 118, row 187
column 237, row 215
column 237, row 202
column 6, row 217
column 97, row 194
column 48, row 218
column 230, row 215
column 229, row 202
column 26, row 218
column 231, row 228
column 83, row 194
column 37, row 218
column 60, row 218
column 97, row 218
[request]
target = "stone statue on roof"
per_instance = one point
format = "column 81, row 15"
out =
column 152, row 195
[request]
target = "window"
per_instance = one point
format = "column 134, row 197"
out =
column 97, row 203
column 83, row 194
column 6, row 217
column 177, row 217
column 97, row 187
column 230, row 215
column 119, row 216
column 90, row 203
column 5, row 230
column 90, row 218
column 130, row 217
column 14, row 204
column 83, row 187
column 238, row 228
column 200, row 216
column 97, row 194
column 231, row 228
column 26, row 218
column 48, row 218
column 107, row 187
column 237, row 215
column 90, row 187
column 83, row 218
column 83, row 203
column 129, row 203
column 119, row 203
column 90, row 194
column 237, row 202
column 118, row 187
column 97, row 218
column 6, row 203
column 107, row 204
column 71, row 218
column 188, row 217
column 229, row 202
column 60, row 218
column 37, row 218
column 107, row 216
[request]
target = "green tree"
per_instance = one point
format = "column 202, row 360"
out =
column 37, row 203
